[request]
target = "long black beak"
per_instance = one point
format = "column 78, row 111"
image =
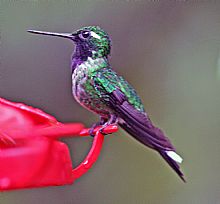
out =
column 63, row 35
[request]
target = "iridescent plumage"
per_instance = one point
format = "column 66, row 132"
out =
column 100, row 89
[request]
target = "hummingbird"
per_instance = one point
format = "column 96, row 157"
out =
column 98, row 88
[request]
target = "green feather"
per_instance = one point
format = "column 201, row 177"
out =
column 110, row 81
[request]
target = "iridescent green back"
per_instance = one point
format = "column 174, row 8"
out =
column 110, row 81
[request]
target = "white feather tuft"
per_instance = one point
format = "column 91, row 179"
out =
column 173, row 155
column 95, row 35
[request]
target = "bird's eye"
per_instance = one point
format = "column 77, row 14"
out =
column 84, row 34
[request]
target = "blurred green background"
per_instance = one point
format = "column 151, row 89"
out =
column 168, row 50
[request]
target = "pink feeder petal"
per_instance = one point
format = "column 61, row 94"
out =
column 6, row 139
column 31, row 155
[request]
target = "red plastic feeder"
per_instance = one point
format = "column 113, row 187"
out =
column 31, row 154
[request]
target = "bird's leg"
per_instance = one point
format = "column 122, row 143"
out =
column 102, row 121
column 113, row 119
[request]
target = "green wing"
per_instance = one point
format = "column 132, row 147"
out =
column 108, row 81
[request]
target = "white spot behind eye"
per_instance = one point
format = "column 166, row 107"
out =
column 95, row 35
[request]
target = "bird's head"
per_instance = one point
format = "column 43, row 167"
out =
column 91, row 41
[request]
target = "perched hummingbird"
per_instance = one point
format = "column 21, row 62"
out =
column 101, row 90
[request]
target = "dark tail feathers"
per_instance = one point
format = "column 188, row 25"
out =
column 172, row 164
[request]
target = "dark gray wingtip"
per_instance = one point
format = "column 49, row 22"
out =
column 173, row 164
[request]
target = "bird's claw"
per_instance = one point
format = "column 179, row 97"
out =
column 102, row 130
column 92, row 132
column 95, row 126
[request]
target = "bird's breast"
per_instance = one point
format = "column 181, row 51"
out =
column 79, row 78
column 85, row 92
